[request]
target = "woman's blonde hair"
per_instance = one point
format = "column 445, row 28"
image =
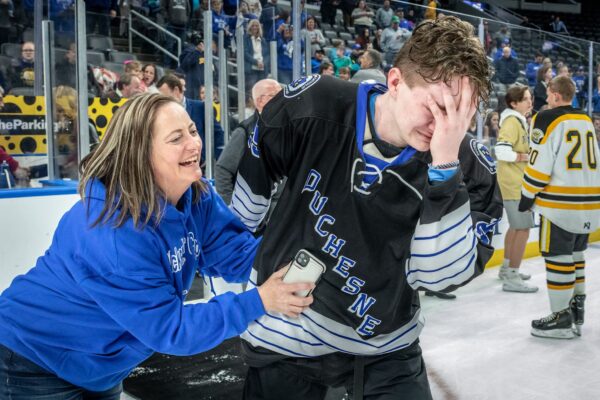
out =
column 123, row 163
column 251, row 23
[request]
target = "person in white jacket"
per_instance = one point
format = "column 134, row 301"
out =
column 512, row 153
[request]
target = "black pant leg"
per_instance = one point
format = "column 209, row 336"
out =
column 276, row 382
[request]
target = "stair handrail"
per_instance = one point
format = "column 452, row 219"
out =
column 147, row 39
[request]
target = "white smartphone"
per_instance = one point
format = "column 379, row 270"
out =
column 305, row 268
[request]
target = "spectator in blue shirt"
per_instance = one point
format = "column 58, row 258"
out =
column 531, row 69
column 580, row 78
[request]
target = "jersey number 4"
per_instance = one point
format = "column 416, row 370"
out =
column 573, row 159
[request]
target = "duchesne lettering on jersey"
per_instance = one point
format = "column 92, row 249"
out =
column 333, row 246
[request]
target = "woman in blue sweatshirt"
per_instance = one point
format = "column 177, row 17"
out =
column 110, row 290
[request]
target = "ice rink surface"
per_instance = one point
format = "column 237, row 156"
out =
column 478, row 347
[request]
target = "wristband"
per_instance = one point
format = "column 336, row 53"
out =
column 453, row 164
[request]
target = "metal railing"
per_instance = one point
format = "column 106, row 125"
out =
column 147, row 20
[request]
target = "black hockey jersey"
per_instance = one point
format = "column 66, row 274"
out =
column 381, row 239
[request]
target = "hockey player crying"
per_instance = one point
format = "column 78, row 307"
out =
column 384, row 186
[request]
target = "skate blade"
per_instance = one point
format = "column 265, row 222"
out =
column 553, row 334
column 577, row 329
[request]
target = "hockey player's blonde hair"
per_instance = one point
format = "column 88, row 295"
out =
column 564, row 86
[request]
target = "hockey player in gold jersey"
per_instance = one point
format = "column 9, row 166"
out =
column 562, row 183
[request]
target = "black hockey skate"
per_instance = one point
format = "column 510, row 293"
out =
column 558, row 325
column 576, row 305
column 440, row 295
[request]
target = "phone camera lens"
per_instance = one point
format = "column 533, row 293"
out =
column 302, row 259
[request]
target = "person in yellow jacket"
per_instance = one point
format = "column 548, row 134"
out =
column 430, row 12
column 512, row 151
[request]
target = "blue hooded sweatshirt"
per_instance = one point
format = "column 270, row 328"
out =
column 103, row 299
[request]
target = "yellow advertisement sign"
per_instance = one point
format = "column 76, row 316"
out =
column 23, row 122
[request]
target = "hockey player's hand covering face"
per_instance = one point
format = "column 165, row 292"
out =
column 431, row 116
column 452, row 109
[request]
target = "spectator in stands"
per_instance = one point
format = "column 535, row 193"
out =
column 558, row 26
column 316, row 60
column 507, row 68
column 370, row 67
column 540, row 96
column 215, row 97
column 257, row 62
column 347, row 6
column 98, row 15
column 128, row 86
column 134, row 67
column 363, row 39
column 344, row 73
column 191, row 63
column 596, row 121
column 221, row 21
column 501, row 36
column 170, row 85
column 254, row 8
column 532, row 67
column 392, row 40
column 65, row 120
column 269, row 15
column 525, row 23
column 342, row 59
column 228, row 163
column 596, row 97
column 65, row 68
column 430, row 12
column 317, row 40
column 303, row 15
column 150, row 77
column 562, row 69
column 411, row 17
column 376, row 44
column 328, row 10
column 176, row 14
column 491, row 128
column 244, row 16
column 20, row 173
column 355, row 53
column 506, row 43
column 362, row 17
column 580, row 77
column 22, row 73
column 404, row 23
column 383, row 15
column 326, row 68
column 285, row 51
